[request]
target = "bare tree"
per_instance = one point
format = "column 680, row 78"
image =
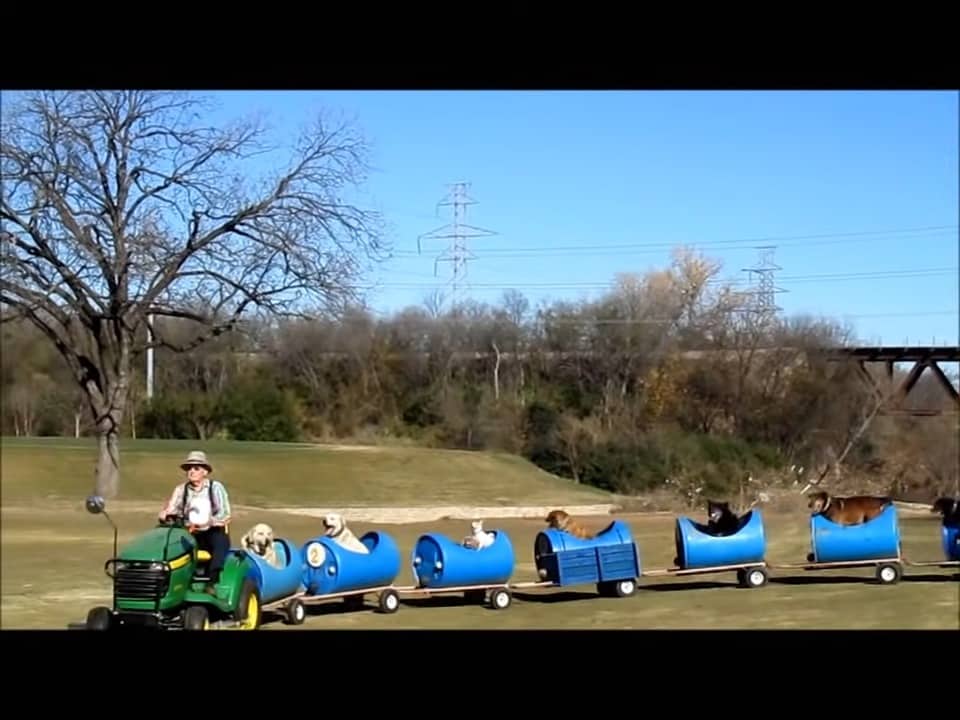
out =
column 117, row 205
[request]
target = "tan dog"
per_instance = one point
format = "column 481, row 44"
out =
column 853, row 510
column 335, row 527
column 259, row 540
column 561, row 520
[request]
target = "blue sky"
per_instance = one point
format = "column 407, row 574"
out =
column 840, row 182
column 843, row 183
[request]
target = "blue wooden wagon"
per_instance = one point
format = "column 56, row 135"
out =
column 699, row 551
column 611, row 560
column 443, row 566
column 333, row 571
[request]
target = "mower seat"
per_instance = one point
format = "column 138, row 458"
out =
column 203, row 556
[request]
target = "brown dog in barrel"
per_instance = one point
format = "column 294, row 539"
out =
column 561, row 520
column 853, row 510
column 949, row 510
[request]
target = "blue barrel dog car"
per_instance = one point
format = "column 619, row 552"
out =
column 699, row 550
column 875, row 542
column 281, row 584
column 332, row 570
column 950, row 535
column 442, row 565
column 610, row 559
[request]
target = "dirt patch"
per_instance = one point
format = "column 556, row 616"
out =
column 32, row 537
column 348, row 448
column 400, row 516
column 17, row 600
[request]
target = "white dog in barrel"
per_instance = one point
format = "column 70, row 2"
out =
column 259, row 540
column 478, row 539
column 335, row 527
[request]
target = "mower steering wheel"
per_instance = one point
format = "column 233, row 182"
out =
column 172, row 521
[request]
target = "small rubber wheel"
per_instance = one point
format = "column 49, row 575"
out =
column 389, row 601
column 99, row 618
column 754, row 577
column 625, row 588
column 888, row 573
column 296, row 612
column 500, row 599
column 196, row 617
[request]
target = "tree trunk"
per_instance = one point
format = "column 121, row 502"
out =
column 108, row 403
column 496, row 373
column 108, row 459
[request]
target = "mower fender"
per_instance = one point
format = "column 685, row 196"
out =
column 236, row 569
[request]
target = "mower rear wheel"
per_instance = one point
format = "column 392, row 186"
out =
column 99, row 618
column 247, row 612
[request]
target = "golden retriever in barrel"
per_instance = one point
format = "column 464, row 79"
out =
column 259, row 540
column 561, row 520
column 335, row 527
column 852, row 510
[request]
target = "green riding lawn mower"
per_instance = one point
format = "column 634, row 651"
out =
column 160, row 581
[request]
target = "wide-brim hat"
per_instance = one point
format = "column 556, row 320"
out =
column 197, row 457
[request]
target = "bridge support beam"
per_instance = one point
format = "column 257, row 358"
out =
column 892, row 400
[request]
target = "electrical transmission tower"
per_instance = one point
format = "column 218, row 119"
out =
column 456, row 252
column 764, row 301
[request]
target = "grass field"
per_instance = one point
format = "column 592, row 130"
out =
column 53, row 555
column 281, row 474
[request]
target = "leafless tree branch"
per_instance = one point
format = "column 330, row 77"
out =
column 116, row 205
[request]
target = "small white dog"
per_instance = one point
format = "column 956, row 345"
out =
column 259, row 540
column 335, row 527
column 479, row 539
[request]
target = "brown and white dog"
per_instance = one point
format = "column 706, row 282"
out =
column 561, row 520
column 949, row 510
column 853, row 510
column 259, row 540
column 335, row 528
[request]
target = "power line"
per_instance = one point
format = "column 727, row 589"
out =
column 736, row 244
column 785, row 279
column 668, row 321
column 456, row 253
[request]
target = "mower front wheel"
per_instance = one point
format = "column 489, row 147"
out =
column 99, row 618
column 196, row 617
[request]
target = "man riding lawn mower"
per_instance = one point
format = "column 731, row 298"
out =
column 167, row 578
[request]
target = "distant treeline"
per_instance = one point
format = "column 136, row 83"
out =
column 664, row 381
